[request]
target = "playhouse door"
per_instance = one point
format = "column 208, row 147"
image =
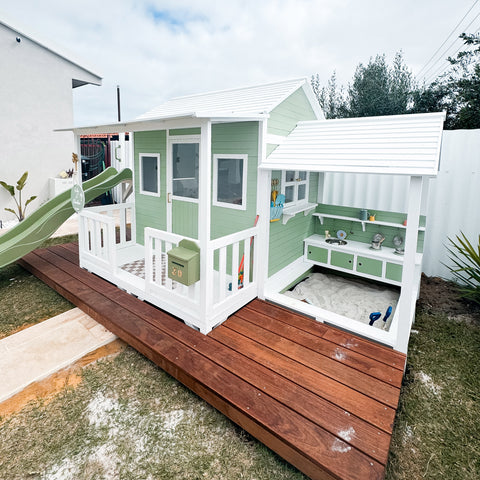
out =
column 182, row 185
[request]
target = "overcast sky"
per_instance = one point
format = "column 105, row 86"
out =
column 159, row 49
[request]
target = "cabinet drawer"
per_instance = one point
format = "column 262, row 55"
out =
column 370, row 266
column 342, row 260
column 317, row 254
column 393, row 271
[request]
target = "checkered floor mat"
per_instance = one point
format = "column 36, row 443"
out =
column 138, row 268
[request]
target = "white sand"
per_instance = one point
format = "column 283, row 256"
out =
column 352, row 298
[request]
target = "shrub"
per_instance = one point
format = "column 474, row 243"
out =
column 466, row 269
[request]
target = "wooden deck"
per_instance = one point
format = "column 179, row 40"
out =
column 323, row 399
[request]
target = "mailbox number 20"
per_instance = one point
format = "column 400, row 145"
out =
column 176, row 272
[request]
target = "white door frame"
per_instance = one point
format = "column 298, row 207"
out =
column 171, row 139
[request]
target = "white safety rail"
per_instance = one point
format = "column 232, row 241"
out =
column 181, row 300
column 229, row 271
column 102, row 231
column 97, row 242
column 234, row 281
column 227, row 292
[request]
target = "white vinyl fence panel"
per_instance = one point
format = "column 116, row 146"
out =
column 452, row 204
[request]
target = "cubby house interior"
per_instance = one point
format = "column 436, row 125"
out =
column 229, row 205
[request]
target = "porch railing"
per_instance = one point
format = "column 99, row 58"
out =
column 102, row 231
column 229, row 284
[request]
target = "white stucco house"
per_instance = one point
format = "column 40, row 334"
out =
column 36, row 81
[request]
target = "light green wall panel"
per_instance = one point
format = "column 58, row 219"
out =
column 285, row 116
column 286, row 241
column 150, row 211
column 184, row 131
column 236, row 138
column 354, row 229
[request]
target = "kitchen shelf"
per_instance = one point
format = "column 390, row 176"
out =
column 289, row 212
column 321, row 216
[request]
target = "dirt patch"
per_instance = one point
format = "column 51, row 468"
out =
column 47, row 388
column 440, row 296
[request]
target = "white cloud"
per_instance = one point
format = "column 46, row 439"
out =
column 213, row 45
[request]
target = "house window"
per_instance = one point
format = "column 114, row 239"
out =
column 185, row 170
column 230, row 181
column 150, row 174
column 295, row 186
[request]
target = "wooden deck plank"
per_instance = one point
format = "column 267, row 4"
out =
column 351, row 401
column 191, row 369
column 334, row 419
column 331, row 350
column 344, row 339
column 310, row 429
column 359, row 381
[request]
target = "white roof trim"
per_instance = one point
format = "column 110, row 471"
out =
column 180, row 121
column 397, row 144
column 48, row 45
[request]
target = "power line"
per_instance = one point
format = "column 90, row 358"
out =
column 446, row 40
column 448, row 48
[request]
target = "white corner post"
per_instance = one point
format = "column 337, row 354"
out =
column 263, row 211
column 204, row 227
column 410, row 279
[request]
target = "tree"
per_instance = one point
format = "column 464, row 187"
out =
column 376, row 89
column 457, row 91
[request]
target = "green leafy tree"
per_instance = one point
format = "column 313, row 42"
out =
column 20, row 213
column 376, row 89
column 457, row 91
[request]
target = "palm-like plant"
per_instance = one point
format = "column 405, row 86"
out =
column 20, row 213
column 466, row 269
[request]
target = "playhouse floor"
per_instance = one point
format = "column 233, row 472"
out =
column 323, row 399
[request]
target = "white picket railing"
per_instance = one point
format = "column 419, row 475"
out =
column 124, row 216
column 228, row 283
column 235, row 279
column 97, row 241
column 102, row 230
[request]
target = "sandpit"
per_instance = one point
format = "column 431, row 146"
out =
column 352, row 298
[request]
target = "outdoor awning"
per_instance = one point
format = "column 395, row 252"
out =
column 397, row 144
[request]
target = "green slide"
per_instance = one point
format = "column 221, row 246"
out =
column 43, row 222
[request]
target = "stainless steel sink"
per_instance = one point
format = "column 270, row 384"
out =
column 336, row 241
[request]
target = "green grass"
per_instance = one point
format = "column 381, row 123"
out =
column 25, row 300
column 437, row 429
column 130, row 420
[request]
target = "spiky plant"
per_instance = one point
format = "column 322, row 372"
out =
column 20, row 213
column 466, row 269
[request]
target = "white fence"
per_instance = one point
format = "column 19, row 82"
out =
column 452, row 204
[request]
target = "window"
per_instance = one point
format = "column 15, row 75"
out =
column 295, row 187
column 150, row 174
column 230, row 181
column 185, row 170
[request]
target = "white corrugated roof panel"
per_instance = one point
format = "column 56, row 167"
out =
column 397, row 144
column 245, row 102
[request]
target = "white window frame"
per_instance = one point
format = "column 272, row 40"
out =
column 146, row 192
column 172, row 139
column 216, row 202
column 296, row 183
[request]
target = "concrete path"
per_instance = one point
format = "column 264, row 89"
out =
column 38, row 351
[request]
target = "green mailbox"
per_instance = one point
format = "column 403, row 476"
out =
column 184, row 263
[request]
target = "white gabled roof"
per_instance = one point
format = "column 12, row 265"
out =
column 397, row 144
column 239, row 102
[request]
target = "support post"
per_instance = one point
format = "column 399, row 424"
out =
column 410, row 280
column 77, row 148
column 204, row 224
column 261, row 252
